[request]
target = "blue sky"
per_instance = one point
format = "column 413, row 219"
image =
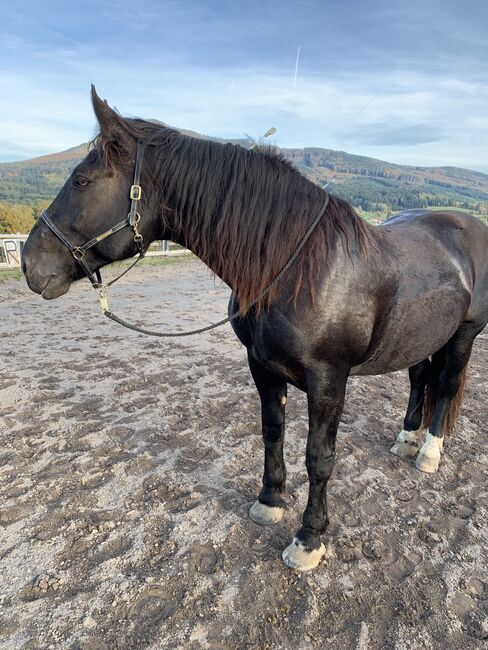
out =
column 402, row 81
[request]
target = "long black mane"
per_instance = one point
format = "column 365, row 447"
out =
column 241, row 211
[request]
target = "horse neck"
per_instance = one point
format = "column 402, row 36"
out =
column 195, row 190
column 241, row 213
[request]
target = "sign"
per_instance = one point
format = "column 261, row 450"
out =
column 11, row 250
column 12, row 254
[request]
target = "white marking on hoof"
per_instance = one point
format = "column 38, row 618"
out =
column 407, row 444
column 283, row 400
column 430, row 454
column 265, row 515
column 296, row 556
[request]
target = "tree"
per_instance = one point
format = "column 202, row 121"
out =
column 15, row 218
column 38, row 208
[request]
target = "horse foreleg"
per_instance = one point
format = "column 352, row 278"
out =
column 269, row 506
column 325, row 402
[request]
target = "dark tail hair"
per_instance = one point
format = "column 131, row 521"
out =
column 431, row 399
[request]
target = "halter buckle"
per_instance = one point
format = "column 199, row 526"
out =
column 77, row 253
column 135, row 192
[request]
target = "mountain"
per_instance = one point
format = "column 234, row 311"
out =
column 369, row 184
column 378, row 186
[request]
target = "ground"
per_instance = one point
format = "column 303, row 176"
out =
column 128, row 465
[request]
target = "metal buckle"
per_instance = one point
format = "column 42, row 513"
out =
column 137, row 234
column 136, row 192
column 77, row 253
column 103, row 297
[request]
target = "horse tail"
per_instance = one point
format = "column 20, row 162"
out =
column 431, row 393
column 455, row 404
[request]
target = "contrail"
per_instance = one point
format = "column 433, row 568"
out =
column 372, row 99
column 296, row 71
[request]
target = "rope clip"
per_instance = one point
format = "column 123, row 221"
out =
column 103, row 298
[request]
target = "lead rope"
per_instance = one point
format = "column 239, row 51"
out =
column 102, row 291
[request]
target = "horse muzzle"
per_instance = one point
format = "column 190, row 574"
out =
column 54, row 288
column 48, row 285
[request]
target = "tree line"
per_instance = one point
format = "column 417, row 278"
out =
column 17, row 218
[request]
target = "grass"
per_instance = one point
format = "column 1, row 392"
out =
column 16, row 274
column 10, row 274
column 153, row 261
column 368, row 215
column 166, row 261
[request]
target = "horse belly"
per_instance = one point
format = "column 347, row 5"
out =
column 415, row 330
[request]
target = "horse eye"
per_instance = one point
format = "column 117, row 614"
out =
column 81, row 182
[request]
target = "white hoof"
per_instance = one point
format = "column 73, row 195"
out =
column 265, row 515
column 430, row 454
column 296, row 556
column 407, row 444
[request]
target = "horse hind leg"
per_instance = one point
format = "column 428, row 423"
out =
column 407, row 444
column 444, row 396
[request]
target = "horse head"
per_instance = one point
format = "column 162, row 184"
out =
column 97, row 196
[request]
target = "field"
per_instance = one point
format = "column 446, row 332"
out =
column 128, row 464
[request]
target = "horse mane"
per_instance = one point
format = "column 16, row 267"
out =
column 243, row 212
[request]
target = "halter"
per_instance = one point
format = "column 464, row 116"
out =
column 132, row 221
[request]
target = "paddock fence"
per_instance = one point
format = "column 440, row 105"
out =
column 11, row 250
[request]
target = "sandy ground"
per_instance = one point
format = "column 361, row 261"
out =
column 128, row 465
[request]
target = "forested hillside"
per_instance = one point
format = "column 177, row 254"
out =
column 31, row 181
column 379, row 186
column 374, row 187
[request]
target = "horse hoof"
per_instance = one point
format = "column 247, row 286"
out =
column 428, row 464
column 265, row 515
column 406, row 445
column 430, row 454
column 404, row 450
column 297, row 556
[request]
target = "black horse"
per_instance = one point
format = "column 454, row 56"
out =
column 412, row 293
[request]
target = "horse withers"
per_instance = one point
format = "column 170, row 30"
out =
column 362, row 300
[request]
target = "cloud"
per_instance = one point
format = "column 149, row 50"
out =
column 414, row 119
column 388, row 134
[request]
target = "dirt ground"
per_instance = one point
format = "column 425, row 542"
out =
column 128, row 464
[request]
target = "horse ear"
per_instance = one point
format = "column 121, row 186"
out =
column 111, row 123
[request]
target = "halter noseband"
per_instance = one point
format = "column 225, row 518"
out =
column 132, row 221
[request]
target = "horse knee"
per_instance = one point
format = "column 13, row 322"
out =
column 320, row 469
column 272, row 434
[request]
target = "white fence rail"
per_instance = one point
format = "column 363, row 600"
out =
column 11, row 250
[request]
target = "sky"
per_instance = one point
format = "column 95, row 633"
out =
column 405, row 82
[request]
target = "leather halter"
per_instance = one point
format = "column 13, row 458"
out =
column 131, row 221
